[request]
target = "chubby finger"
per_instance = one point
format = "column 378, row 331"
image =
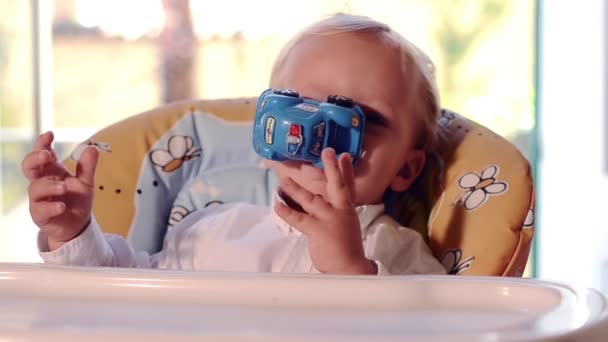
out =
column 44, row 141
column 311, row 203
column 41, row 189
column 86, row 166
column 337, row 191
column 35, row 163
column 345, row 162
column 297, row 219
column 43, row 212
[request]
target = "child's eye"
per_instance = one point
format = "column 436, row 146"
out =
column 374, row 120
column 372, row 117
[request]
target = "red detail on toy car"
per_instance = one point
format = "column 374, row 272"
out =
column 294, row 139
column 295, row 130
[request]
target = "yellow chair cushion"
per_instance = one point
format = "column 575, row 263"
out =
column 482, row 222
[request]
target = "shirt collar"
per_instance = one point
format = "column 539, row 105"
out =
column 366, row 213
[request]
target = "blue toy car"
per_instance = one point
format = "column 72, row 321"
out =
column 287, row 126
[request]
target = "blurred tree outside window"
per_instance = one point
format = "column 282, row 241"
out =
column 178, row 51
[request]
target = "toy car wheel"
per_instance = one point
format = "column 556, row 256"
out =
column 286, row 92
column 340, row 100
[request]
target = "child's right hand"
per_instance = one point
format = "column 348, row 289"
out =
column 60, row 203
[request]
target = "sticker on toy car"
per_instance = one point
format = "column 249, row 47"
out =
column 307, row 107
column 294, row 139
column 270, row 130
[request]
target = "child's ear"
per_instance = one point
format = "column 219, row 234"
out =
column 410, row 171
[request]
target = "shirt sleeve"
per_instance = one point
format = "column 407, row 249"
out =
column 398, row 250
column 94, row 248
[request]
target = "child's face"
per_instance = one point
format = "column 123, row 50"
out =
column 367, row 70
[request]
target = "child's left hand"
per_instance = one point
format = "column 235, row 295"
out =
column 331, row 224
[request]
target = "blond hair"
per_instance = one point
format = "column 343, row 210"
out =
column 415, row 64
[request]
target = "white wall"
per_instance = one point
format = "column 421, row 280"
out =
column 573, row 177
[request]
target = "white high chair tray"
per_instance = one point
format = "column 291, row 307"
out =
column 50, row 302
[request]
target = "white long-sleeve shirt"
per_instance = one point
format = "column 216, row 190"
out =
column 245, row 238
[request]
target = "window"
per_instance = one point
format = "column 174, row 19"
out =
column 16, row 123
column 111, row 59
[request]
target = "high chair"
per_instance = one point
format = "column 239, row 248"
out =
column 476, row 204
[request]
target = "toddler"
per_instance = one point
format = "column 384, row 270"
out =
column 328, row 220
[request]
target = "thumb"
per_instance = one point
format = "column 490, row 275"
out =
column 85, row 168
